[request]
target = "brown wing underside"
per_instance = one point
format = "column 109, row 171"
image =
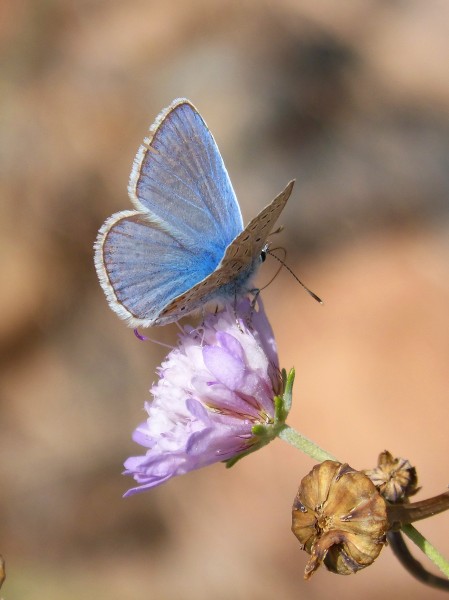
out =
column 240, row 254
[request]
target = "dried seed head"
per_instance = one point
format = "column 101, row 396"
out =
column 339, row 518
column 395, row 478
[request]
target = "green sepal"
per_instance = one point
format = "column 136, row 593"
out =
column 288, row 389
column 264, row 433
column 231, row 462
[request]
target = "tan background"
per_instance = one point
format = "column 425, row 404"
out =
column 351, row 99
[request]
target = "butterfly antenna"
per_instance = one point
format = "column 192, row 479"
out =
column 280, row 266
column 314, row 296
column 276, row 231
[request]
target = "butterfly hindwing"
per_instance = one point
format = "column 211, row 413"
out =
column 140, row 265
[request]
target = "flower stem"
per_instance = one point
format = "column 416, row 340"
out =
column 429, row 550
column 290, row 435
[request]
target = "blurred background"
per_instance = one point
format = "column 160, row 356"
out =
column 349, row 98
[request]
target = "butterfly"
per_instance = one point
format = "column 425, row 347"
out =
column 183, row 245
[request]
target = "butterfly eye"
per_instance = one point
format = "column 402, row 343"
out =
column 263, row 255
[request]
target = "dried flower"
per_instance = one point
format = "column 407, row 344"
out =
column 339, row 518
column 395, row 478
column 215, row 398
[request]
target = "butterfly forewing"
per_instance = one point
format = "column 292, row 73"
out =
column 240, row 257
column 250, row 242
column 180, row 178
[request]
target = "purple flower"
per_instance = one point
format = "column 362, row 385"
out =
column 214, row 399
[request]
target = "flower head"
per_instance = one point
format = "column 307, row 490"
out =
column 215, row 398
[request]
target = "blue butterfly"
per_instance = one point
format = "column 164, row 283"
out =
column 184, row 244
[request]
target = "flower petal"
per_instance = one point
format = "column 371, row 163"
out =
column 225, row 367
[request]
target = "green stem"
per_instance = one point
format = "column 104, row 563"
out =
column 288, row 434
column 429, row 550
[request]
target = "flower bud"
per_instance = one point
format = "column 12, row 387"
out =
column 395, row 478
column 339, row 518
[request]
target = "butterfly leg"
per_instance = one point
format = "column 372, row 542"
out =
column 255, row 293
column 236, row 317
column 142, row 338
column 248, row 319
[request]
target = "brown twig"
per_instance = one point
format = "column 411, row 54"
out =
column 413, row 566
column 404, row 514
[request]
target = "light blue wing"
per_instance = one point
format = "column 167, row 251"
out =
column 142, row 267
column 180, row 178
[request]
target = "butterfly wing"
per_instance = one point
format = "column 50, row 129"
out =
column 232, row 276
column 249, row 244
column 187, row 214
column 179, row 177
column 140, row 266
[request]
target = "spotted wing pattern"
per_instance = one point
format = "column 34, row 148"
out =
column 239, row 263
